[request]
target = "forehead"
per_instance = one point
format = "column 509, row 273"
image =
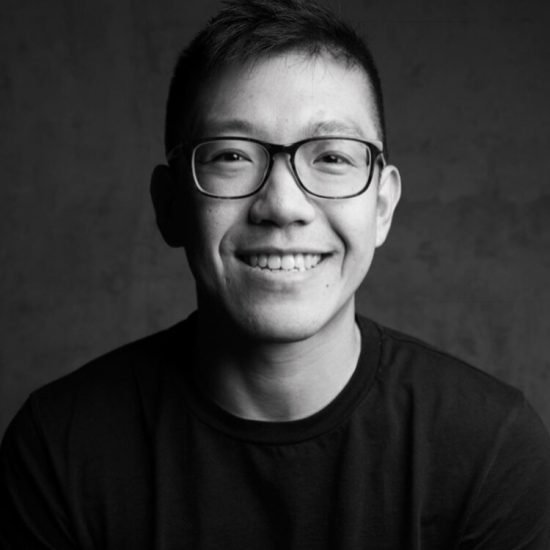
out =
column 288, row 97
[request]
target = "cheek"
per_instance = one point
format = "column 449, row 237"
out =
column 211, row 225
column 356, row 225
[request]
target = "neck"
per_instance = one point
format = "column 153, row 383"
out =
column 277, row 381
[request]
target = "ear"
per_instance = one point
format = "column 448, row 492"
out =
column 166, row 201
column 389, row 192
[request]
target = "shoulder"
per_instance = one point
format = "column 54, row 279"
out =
column 470, row 435
column 115, row 370
column 110, row 391
column 412, row 363
column 448, row 399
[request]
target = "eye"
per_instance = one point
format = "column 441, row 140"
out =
column 334, row 162
column 228, row 157
column 333, row 158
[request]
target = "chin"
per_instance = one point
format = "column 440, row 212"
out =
column 271, row 331
column 279, row 324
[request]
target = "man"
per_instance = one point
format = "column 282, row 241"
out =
column 275, row 417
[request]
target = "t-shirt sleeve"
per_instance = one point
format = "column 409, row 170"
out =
column 511, row 510
column 31, row 489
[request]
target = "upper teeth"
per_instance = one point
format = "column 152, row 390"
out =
column 285, row 262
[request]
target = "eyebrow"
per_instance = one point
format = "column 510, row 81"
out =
column 328, row 127
column 227, row 126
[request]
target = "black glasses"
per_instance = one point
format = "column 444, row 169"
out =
column 236, row 167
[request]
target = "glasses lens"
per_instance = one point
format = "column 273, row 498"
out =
column 229, row 167
column 333, row 167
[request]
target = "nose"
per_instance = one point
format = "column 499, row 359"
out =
column 282, row 201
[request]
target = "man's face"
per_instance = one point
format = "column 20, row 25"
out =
column 282, row 100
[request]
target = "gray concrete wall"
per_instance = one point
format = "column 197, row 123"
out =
column 82, row 91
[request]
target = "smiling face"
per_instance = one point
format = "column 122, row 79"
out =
column 282, row 265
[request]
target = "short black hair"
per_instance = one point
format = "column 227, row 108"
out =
column 246, row 31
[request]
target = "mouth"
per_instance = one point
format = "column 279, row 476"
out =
column 283, row 262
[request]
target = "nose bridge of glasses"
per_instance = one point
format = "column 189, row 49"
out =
column 287, row 151
column 282, row 198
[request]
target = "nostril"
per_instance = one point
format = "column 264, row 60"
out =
column 280, row 208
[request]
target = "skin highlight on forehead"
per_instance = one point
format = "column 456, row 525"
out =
column 202, row 123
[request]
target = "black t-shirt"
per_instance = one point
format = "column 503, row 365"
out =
column 418, row 452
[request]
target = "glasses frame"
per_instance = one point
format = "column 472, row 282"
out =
column 189, row 148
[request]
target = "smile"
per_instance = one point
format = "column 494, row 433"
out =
column 283, row 262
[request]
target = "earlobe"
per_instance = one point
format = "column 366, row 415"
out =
column 389, row 193
column 165, row 199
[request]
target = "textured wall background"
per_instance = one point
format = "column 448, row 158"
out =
column 82, row 91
